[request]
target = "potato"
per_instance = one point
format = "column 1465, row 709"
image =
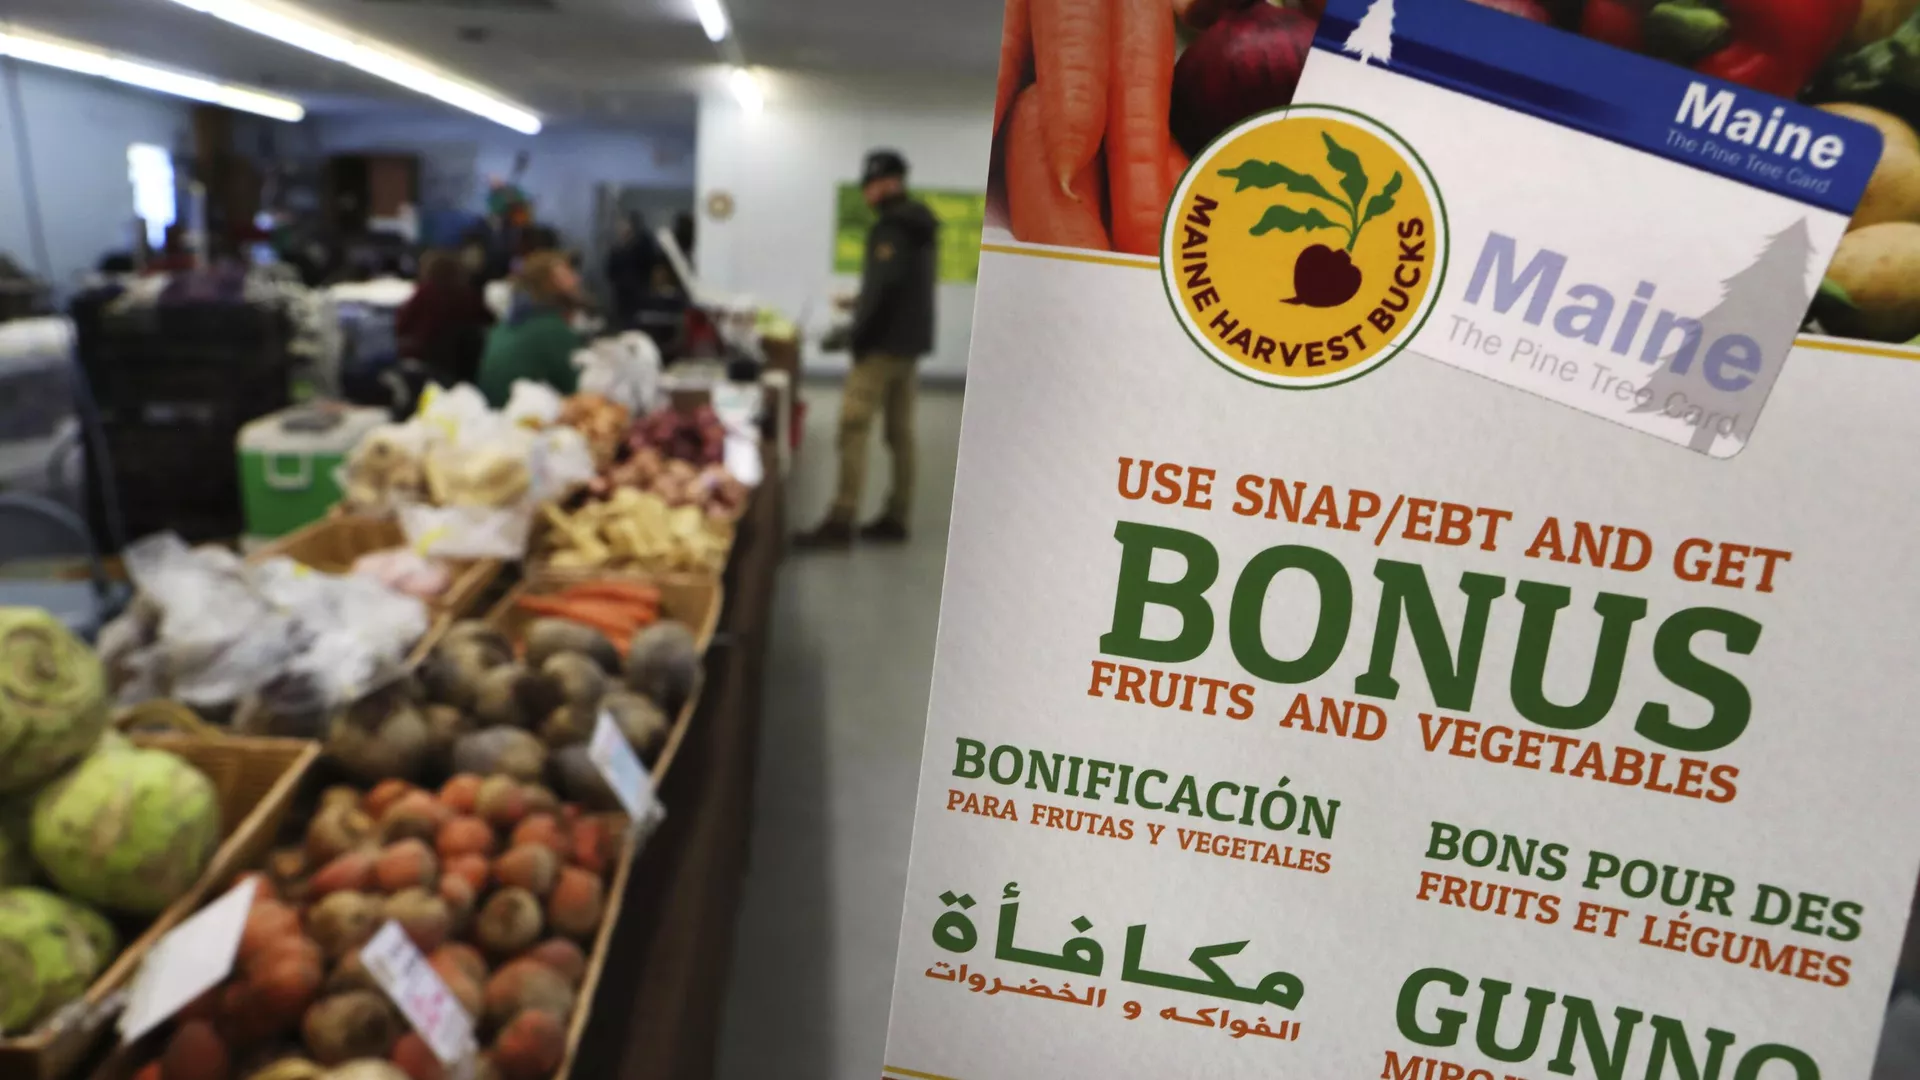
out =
column 465, row 836
column 510, row 922
column 196, row 1052
column 409, row 864
column 359, row 1024
column 1895, row 131
column 577, row 902
column 523, row 985
column 1878, row 19
column 1893, row 192
column 502, row 751
column 546, row 638
column 532, row 1046
column 344, row 921
column 423, row 915
column 563, row 956
column 1879, row 267
column 532, row 867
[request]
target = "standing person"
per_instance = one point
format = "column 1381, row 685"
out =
column 892, row 329
column 630, row 266
column 536, row 341
column 444, row 323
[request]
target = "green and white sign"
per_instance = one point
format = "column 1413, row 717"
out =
column 962, row 216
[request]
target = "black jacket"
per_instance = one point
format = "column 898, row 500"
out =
column 895, row 313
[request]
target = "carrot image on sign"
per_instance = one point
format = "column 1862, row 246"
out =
column 1322, row 276
column 1071, row 65
column 1137, row 135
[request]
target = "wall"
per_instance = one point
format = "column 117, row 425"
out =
column 781, row 167
column 458, row 155
column 77, row 132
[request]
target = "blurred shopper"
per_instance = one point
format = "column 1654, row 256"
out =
column 444, row 324
column 892, row 329
column 630, row 267
column 536, row 340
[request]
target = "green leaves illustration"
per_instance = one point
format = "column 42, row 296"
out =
column 1272, row 174
column 1353, row 178
column 1353, row 183
column 1382, row 202
column 1287, row 219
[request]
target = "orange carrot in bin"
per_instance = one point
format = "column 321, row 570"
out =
column 1042, row 213
column 639, row 592
column 1141, row 94
column 1016, row 53
column 1072, row 57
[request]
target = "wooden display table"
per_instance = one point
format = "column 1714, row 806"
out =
column 657, row 1013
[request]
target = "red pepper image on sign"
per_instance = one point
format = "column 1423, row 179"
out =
column 1771, row 45
column 1323, row 276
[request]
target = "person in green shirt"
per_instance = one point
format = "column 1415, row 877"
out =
column 536, row 341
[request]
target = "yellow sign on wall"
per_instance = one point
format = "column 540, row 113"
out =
column 962, row 215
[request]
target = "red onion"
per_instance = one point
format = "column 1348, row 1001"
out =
column 1246, row 63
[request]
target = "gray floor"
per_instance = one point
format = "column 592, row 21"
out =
column 846, row 697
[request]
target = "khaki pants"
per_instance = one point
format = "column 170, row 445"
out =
column 885, row 385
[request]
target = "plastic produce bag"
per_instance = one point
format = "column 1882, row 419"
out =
column 624, row 370
column 211, row 631
column 467, row 532
column 532, row 405
column 218, row 638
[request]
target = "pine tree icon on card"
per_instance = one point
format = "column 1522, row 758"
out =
column 1372, row 37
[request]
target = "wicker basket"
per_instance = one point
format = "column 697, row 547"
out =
column 693, row 599
column 331, row 545
column 256, row 780
column 597, row 958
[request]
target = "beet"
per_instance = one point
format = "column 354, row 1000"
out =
column 1245, row 64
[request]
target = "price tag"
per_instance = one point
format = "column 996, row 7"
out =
column 621, row 768
column 193, row 958
column 406, row 977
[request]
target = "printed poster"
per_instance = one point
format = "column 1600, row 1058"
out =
column 961, row 215
column 1419, row 604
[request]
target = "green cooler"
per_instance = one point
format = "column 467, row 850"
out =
column 287, row 461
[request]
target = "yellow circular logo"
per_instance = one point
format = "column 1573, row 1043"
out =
column 1305, row 247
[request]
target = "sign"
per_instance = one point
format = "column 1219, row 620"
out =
column 190, row 960
column 1414, row 608
column 962, row 216
column 404, row 975
column 621, row 768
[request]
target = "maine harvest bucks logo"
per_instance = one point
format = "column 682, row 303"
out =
column 1305, row 247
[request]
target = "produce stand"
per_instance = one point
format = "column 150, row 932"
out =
column 256, row 780
column 656, row 1014
column 331, row 545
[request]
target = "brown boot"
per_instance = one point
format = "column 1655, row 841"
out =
column 829, row 535
column 886, row 530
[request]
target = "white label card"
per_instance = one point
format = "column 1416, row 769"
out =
column 621, row 768
column 406, row 977
column 193, row 958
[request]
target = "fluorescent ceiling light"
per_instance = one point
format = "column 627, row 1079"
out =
column 713, row 19
column 746, row 88
column 89, row 61
column 300, row 31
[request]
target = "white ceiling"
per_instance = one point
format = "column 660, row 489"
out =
column 596, row 61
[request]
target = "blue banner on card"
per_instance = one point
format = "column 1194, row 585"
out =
column 1692, row 119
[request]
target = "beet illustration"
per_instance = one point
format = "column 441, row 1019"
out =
column 1324, row 277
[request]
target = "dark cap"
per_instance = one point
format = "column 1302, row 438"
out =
column 883, row 164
